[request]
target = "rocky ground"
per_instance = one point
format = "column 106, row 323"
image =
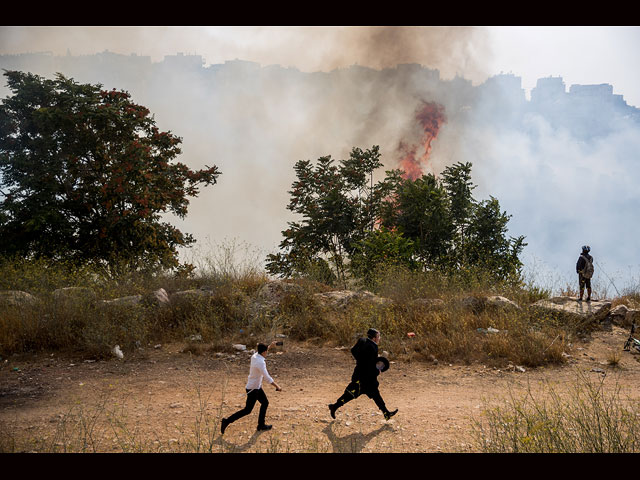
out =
column 166, row 398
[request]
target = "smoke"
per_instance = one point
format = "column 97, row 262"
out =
column 255, row 120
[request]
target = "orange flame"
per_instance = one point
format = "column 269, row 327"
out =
column 430, row 116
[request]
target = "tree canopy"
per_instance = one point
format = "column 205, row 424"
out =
column 85, row 174
column 350, row 225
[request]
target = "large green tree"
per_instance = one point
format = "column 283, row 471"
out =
column 351, row 225
column 85, row 174
column 338, row 205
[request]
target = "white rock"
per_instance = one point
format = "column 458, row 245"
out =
column 117, row 352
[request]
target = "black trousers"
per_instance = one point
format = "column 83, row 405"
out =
column 357, row 388
column 253, row 396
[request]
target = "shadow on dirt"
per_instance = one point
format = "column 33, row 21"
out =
column 354, row 442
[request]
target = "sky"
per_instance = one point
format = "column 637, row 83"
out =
column 580, row 54
column 515, row 170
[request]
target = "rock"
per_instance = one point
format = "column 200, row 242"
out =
column 480, row 303
column 341, row 299
column 503, row 303
column 631, row 317
column 520, row 369
column 158, row 298
column 117, row 352
column 189, row 296
column 617, row 316
column 17, row 298
column 239, row 347
column 124, row 301
column 195, row 338
column 570, row 308
column 74, row 295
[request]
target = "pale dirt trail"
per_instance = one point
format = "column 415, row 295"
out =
column 160, row 399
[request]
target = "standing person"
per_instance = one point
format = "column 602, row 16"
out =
column 584, row 269
column 257, row 371
column 363, row 379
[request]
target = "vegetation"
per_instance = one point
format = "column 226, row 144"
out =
column 85, row 175
column 590, row 419
column 351, row 226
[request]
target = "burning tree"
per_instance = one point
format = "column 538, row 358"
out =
column 85, row 175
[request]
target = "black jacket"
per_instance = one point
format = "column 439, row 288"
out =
column 365, row 351
column 581, row 261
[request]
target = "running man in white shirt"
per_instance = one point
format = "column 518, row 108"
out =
column 257, row 372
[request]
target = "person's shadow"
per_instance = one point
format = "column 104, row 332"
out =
column 354, row 442
column 233, row 448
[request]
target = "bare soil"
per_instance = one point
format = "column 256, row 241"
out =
column 167, row 398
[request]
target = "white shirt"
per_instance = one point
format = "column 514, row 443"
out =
column 257, row 371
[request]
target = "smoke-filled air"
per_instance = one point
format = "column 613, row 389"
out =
column 562, row 160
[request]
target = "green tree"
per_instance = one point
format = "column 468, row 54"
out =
column 488, row 246
column 85, row 174
column 457, row 181
column 381, row 248
column 338, row 205
column 419, row 210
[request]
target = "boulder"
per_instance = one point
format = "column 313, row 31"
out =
column 341, row 299
column 124, row 301
column 158, row 298
column 72, row 295
column 617, row 316
column 479, row 303
column 631, row 317
column 189, row 296
column 570, row 308
column 16, row 298
column 502, row 303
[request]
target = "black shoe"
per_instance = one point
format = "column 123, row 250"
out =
column 588, row 299
column 223, row 425
column 332, row 410
column 264, row 427
column 388, row 415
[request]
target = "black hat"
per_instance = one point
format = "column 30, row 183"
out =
column 385, row 361
column 372, row 332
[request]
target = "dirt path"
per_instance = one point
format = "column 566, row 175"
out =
column 163, row 399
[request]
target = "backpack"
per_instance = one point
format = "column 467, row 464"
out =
column 587, row 270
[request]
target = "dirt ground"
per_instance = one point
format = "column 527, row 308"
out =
column 165, row 399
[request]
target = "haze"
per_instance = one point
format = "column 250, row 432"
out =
column 254, row 121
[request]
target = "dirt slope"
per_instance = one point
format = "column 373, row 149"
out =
column 163, row 399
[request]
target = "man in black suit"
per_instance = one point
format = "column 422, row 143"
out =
column 364, row 379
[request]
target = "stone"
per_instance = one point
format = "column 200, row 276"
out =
column 74, row 295
column 617, row 316
column 17, row 298
column 341, row 299
column 632, row 316
column 570, row 308
column 501, row 302
column 124, row 301
column 188, row 296
column 158, row 298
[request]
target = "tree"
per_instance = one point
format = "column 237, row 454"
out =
column 381, row 248
column 338, row 204
column 85, row 174
column 489, row 247
column 419, row 210
column 457, row 181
